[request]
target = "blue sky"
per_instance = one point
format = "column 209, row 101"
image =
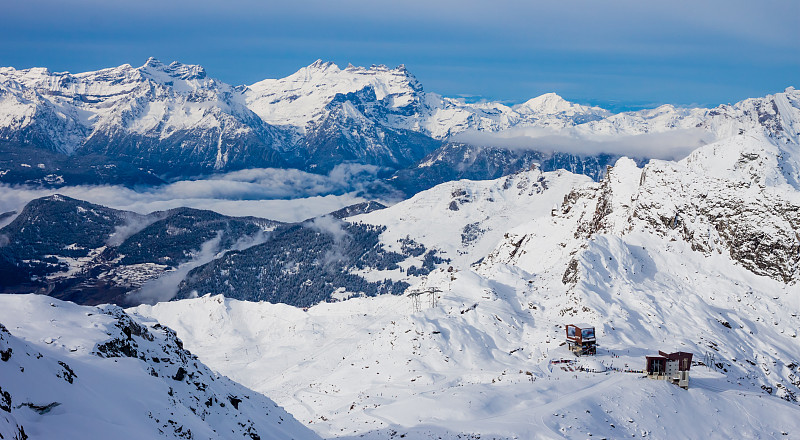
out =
column 618, row 54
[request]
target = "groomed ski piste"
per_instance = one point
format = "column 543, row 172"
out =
column 644, row 256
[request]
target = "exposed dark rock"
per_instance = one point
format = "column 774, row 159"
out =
column 571, row 274
column 67, row 374
column 180, row 374
column 5, row 400
column 235, row 401
column 41, row 409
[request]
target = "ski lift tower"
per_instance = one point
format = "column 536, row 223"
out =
column 416, row 302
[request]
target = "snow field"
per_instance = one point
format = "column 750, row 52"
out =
column 59, row 387
column 479, row 361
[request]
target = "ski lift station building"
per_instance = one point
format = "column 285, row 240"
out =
column 581, row 339
column 673, row 367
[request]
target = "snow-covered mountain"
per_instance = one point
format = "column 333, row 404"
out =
column 738, row 198
column 398, row 101
column 466, row 219
column 70, row 371
column 175, row 120
column 698, row 255
column 775, row 116
column 300, row 98
column 158, row 116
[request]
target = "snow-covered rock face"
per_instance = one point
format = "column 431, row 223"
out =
column 733, row 197
column 464, row 220
column 776, row 116
column 84, row 372
column 737, row 197
column 399, row 102
column 136, row 113
column 300, row 98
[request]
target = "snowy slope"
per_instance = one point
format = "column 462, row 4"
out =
column 478, row 364
column 74, row 372
column 477, row 360
column 466, row 219
column 689, row 250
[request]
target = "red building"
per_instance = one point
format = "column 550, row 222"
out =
column 673, row 367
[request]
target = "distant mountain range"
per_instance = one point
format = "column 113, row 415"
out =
column 141, row 125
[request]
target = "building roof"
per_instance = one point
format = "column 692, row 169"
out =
column 677, row 356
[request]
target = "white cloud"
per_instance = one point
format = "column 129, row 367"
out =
column 134, row 223
column 672, row 145
column 165, row 287
column 331, row 225
column 284, row 195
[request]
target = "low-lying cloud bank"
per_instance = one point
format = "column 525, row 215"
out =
column 166, row 286
column 293, row 195
column 671, row 145
column 278, row 194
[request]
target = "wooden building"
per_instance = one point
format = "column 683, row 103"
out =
column 673, row 367
column 581, row 339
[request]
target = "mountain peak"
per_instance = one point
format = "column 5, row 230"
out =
column 152, row 62
column 321, row 65
column 57, row 198
column 175, row 69
column 547, row 98
column 549, row 103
